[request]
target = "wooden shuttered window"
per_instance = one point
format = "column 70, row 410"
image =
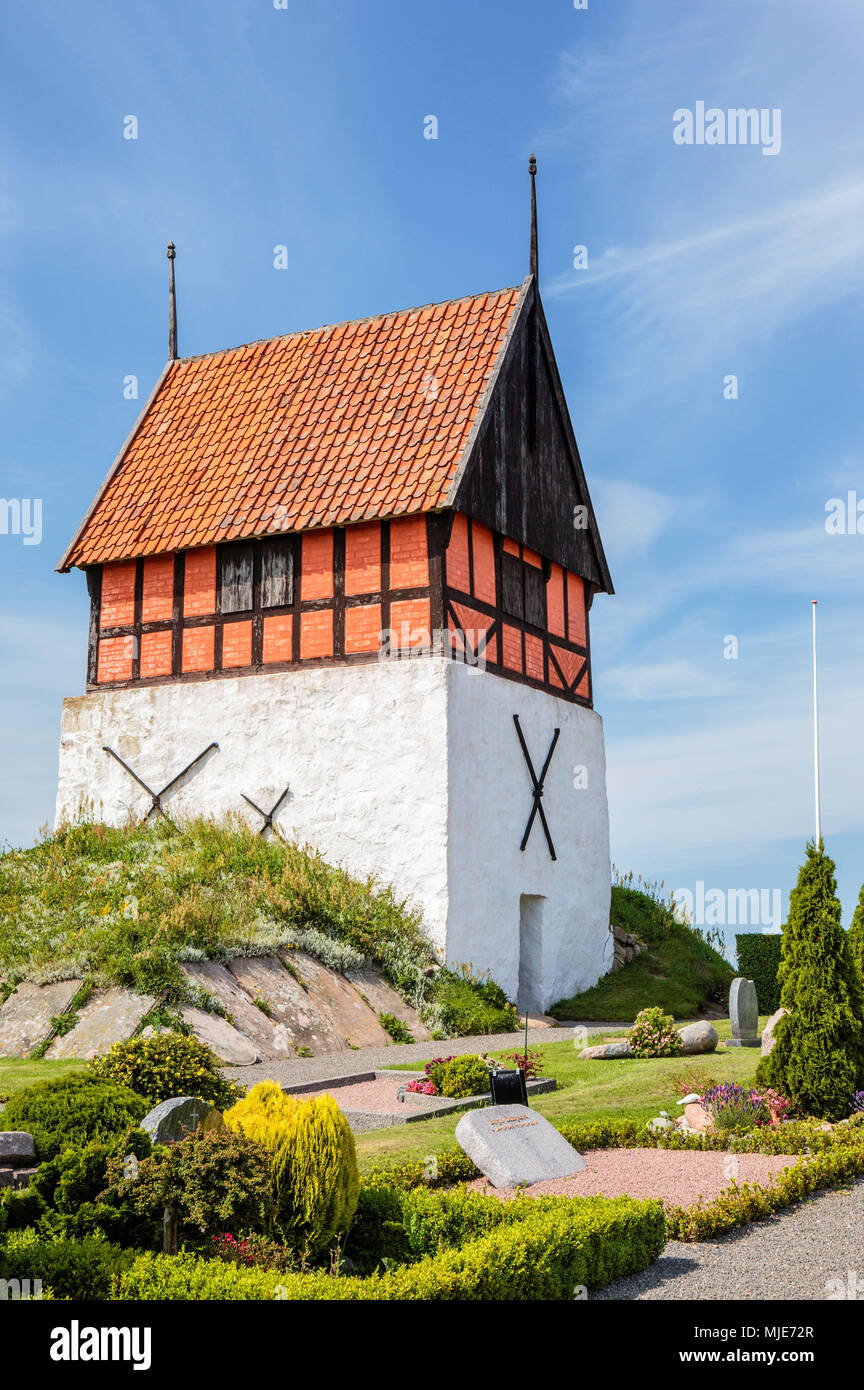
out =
column 512, row 585
column 535, row 596
column 523, row 590
column 237, row 569
column 277, row 573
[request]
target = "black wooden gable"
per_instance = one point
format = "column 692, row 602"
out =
column 521, row 473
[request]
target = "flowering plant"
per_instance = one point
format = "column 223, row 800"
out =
column 457, row 1076
column 654, row 1035
column 421, row 1087
column 731, row 1107
column 858, row 1103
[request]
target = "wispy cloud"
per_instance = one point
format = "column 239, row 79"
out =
column 747, row 277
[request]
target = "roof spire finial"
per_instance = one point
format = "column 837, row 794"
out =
column 172, row 305
column 532, row 170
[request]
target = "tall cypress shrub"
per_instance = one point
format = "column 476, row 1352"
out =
column 818, row 1055
column 856, row 938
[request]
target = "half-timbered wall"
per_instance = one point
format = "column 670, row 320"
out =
column 322, row 596
column 351, row 594
column 523, row 616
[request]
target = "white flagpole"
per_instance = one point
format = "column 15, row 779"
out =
column 816, row 732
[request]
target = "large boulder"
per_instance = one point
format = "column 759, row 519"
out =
column 698, row 1037
column 697, row 1117
column 174, row 1119
column 768, row 1038
column 606, row 1051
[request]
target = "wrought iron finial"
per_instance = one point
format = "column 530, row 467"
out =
column 532, row 170
column 172, row 304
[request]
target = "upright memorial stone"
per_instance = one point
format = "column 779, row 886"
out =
column 513, row 1146
column 743, row 1014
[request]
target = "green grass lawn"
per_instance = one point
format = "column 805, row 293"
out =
column 18, row 1072
column 679, row 971
column 627, row 1090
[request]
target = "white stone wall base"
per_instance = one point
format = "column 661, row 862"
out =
column 410, row 771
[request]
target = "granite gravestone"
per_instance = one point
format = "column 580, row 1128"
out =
column 743, row 1014
column 513, row 1147
column 172, row 1120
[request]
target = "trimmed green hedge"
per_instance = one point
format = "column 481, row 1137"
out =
column 739, row 1204
column 537, row 1249
column 759, row 960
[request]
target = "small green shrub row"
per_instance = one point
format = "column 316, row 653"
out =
column 80, row 1269
column 739, row 1204
column 538, row 1250
column 759, row 961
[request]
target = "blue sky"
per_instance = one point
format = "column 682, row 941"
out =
column 303, row 127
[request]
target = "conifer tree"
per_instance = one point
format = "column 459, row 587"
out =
column 856, row 939
column 818, row 1054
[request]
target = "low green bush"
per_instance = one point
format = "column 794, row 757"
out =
column 536, row 1250
column 458, row 1077
column 759, row 961
column 217, row 1181
column 166, row 1065
column 397, row 1030
column 741, row 1203
column 79, row 1269
column 73, row 1109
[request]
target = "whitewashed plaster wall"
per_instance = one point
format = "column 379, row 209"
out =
column 410, row 771
column 489, row 805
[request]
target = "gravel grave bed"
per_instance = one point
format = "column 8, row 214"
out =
column 376, row 1096
column 677, row 1177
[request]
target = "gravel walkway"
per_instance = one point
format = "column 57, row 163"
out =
column 677, row 1178
column 792, row 1255
column 333, row 1064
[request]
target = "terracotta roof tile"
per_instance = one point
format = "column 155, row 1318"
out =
column 314, row 429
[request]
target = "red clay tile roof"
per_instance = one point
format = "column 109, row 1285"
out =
column 351, row 422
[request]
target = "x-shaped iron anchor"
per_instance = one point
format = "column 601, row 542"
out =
column 156, row 803
column 268, row 815
column 537, row 808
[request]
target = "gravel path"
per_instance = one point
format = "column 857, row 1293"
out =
column 792, row 1255
column 333, row 1064
column 677, row 1178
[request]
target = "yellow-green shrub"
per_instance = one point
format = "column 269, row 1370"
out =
column 314, row 1162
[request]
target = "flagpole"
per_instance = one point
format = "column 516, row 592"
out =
column 816, row 732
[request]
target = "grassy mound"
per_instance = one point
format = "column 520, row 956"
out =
column 124, row 905
column 679, row 972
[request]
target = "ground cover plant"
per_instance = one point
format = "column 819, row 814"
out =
column 124, row 905
column 680, row 972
